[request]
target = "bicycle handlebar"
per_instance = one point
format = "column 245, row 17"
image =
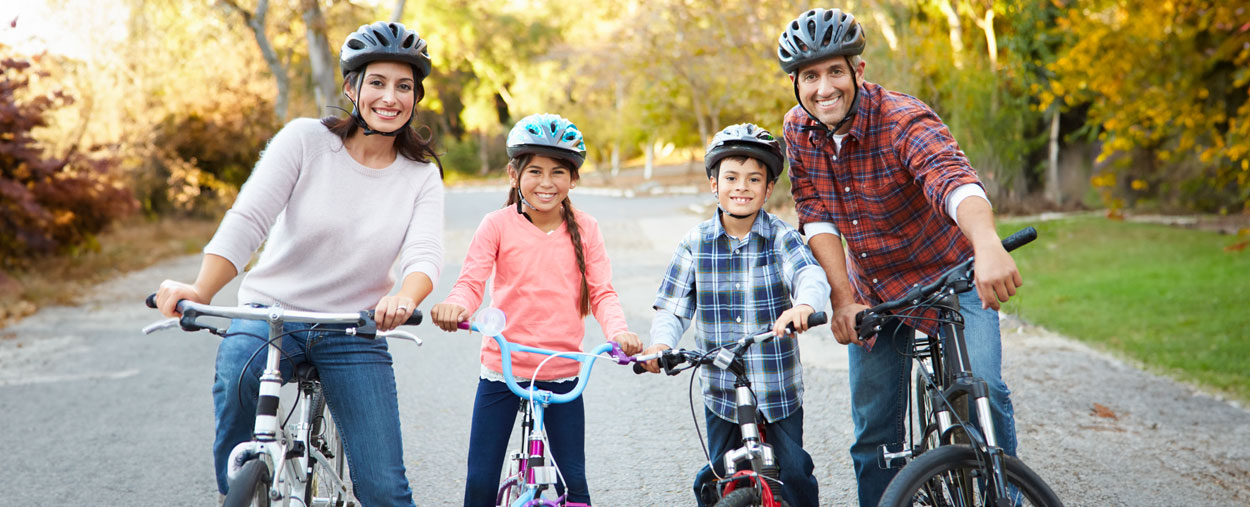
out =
column 869, row 321
column 362, row 323
column 721, row 356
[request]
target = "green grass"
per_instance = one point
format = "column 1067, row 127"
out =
column 1171, row 298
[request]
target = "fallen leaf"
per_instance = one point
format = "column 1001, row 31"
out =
column 1101, row 410
column 1237, row 247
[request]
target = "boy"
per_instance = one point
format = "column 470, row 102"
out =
column 736, row 274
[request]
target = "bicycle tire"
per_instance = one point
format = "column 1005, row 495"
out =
column 931, row 479
column 250, row 488
column 325, row 436
column 747, row 497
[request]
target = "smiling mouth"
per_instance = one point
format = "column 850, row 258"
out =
column 742, row 200
column 545, row 197
column 828, row 104
column 386, row 115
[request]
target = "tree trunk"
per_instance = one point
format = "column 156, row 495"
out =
column 319, row 56
column 1053, row 189
column 649, row 149
column 398, row 13
column 956, row 30
column 256, row 22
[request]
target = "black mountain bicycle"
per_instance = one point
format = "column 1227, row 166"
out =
column 952, row 457
column 752, row 476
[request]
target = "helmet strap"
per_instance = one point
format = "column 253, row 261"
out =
column 521, row 200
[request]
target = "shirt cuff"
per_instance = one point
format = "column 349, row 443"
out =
column 666, row 329
column 814, row 228
column 959, row 194
column 811, row 288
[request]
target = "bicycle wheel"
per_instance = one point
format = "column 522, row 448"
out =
column 748, row 497
column 250, row 487
column 951, row 475
column 324, row 438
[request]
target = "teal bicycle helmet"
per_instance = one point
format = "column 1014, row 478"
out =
column 549, row 135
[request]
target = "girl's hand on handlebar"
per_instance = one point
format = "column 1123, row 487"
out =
column 653, row 365
column 171, row 292
column 392, row 311
column 448, row 316
column 629, row 342
column 795, row 317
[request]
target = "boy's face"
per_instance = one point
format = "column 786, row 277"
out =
column 741, row 186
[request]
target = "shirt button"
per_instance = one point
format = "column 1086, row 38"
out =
column 737, row 286
column 739, row 319
column 854, row 222
column 874, row 280
column 835, row 157
column 863, row 255
column 846, row 189
column 736, row 252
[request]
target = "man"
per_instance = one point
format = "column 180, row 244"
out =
column 881, row 171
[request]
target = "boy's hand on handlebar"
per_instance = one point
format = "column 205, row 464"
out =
column 392, row 311
column 448, row 316
column 844, row 325
column 795, row 317
column 996, row 275
column 171, row 292
column 629, row 342
column 653, row 365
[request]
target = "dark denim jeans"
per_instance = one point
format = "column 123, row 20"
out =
column 494, row 414
column 879, row 383
column 786, row 437
column 359, row 386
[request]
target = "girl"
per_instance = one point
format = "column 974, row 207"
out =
column 546, row 286
column 366, row 182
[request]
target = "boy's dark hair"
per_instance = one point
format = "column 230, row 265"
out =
column 714, row 171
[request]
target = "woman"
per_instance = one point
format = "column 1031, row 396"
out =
column 336, row 202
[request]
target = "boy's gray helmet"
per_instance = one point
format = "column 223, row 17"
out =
column 385, row 41
column 745, row 139
column 818, row 34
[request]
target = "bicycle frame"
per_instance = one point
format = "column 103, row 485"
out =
column 534, row 475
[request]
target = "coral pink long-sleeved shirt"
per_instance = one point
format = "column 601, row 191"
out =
column 538, row 286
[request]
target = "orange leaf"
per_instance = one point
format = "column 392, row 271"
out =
column 1101, row 410
column 1236, row 247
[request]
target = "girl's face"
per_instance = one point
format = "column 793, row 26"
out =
column 387, row 95
column 544, row 183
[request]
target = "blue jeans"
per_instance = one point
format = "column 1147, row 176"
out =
column 494, row 413
column 359, row 386
column 786, row 436
column 879, row 383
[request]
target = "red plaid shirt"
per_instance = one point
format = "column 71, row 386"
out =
column 885, row 191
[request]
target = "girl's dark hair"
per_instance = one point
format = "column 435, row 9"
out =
column 570, row 221
column 408, row 142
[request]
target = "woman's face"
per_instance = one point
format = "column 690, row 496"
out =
column 544, row 183
column 387, row 95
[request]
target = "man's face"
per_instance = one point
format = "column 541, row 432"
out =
column 825, row 89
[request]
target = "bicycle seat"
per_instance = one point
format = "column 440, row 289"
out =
column 307, row 372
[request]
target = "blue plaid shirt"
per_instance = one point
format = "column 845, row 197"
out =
column 739, row 287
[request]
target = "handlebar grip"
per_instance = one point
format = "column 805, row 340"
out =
column 151, row 300
column 638, row 369
column 817, row 319
column 1020, row 238
column 413, row 319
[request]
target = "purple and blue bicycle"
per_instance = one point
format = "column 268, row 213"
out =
column 531, row 471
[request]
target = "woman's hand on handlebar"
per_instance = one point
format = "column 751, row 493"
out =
column 629, row 342
column 653, row 365
column 393, row 311
column 448, row 316
column 844, row 326
column 171, row 292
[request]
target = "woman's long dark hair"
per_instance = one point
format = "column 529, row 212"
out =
column 407, row 143
column 570, row 222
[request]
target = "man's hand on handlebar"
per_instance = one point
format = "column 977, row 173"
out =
column 448, row 316
column 996, row 275
column 653, row 365
column 844, row 326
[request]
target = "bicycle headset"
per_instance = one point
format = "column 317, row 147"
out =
column 816, row 35
column 389, row 42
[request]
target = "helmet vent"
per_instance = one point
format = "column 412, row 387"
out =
column 408, row 41
column 355, row 44
column 378, row 35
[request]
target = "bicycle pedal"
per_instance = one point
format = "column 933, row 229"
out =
column 892, row 456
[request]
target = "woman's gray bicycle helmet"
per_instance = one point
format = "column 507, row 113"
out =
column 549, row 135
column 385, row 41
column 745, row 139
